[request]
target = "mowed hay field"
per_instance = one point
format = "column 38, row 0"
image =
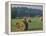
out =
column 35, row 24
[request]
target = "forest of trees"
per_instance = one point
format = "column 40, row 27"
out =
column 24, row 11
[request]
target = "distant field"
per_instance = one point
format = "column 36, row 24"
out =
column 35, row 24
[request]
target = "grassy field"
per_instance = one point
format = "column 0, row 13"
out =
column 35, row 24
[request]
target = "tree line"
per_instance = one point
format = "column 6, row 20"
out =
column 24, row 11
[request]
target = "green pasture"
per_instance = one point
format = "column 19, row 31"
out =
column 35, row 24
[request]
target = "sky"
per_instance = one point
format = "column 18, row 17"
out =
column 28, row 6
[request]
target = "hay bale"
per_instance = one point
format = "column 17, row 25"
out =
column 20, row 26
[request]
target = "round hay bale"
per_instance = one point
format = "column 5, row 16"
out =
column 20, row 26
